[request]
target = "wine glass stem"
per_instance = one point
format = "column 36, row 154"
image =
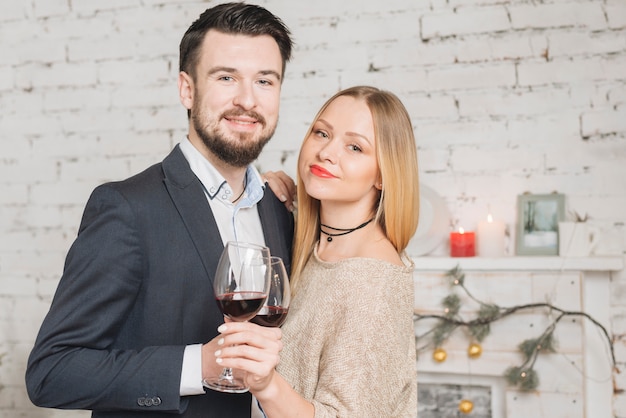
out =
column 227, row 374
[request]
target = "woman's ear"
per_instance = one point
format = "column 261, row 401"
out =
column 185, row 89
column 379, row 184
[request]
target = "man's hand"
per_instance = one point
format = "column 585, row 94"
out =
column 283, row 187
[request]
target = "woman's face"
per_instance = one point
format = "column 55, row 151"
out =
column 338, row 159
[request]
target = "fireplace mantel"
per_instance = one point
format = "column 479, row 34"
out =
column 604, row 263
column 581, row 283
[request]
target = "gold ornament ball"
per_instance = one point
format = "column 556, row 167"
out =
column 474, row 350
column 440, row 355
column 466, row 406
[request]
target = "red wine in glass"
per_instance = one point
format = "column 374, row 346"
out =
column 276, row 306
column 240, row 306
column 271, row 316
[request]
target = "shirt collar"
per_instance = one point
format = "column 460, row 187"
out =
column 215, row 186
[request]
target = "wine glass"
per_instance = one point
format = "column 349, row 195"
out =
column 240, row 285
column 276, row 306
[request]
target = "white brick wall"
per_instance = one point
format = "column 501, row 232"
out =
column 507, row 96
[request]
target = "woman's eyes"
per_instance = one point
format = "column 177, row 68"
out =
column 321, row 134
column 324, row 135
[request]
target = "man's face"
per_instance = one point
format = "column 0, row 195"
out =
column 234, row 96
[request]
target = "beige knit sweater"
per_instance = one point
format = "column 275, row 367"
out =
column 349, row 344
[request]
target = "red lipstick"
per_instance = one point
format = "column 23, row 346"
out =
column 318, row 171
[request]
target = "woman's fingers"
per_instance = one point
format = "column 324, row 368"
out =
column 283, row 187
column 250, row 348
column 251, row 335
column 251, row 359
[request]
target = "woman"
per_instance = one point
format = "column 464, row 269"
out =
column 349, row 346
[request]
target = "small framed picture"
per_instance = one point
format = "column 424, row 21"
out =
column 538, row 217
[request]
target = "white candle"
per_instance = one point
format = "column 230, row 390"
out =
column 490, row 237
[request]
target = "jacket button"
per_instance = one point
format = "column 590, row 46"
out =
column 146, row 401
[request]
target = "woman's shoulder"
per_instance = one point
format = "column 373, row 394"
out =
column 382, row 250
column 379, row 254
column 385, row 252
column 371, row 269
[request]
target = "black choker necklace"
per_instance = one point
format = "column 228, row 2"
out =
column 344, row 230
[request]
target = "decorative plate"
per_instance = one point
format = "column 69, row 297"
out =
column 434, row 223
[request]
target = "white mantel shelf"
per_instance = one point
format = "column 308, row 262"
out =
column 523, row 263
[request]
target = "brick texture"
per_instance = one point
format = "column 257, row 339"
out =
column 506, row 96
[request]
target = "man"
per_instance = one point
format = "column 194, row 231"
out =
column 131, row 330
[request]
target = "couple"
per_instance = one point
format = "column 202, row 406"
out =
column 133, row 327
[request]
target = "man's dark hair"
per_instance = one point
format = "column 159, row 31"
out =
column 233, row 18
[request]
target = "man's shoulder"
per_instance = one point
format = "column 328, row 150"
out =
column 138, row 182
column 153, row 174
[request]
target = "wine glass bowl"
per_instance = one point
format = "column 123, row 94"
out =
column 240, row 286
column 240, row 306
column 241, row 281
column 274, row 311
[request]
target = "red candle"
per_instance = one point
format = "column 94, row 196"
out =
column 462, row 244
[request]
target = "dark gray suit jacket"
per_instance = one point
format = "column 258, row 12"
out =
column 136, row 289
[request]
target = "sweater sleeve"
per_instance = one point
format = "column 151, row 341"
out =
column 367, row 367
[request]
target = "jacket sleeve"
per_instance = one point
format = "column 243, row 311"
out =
column 75, row 363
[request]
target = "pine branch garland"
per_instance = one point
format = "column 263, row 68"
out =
column 524, row 377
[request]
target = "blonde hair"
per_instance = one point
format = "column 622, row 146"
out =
column 397, row 210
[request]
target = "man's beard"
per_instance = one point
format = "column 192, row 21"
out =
column 241, row 150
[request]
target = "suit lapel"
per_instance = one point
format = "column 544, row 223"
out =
column 188, row 197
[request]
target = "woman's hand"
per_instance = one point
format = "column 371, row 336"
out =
column 255, row 349
column 283, row 187
column 251, row 348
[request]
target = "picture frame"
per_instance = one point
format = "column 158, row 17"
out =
column 538, row 217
